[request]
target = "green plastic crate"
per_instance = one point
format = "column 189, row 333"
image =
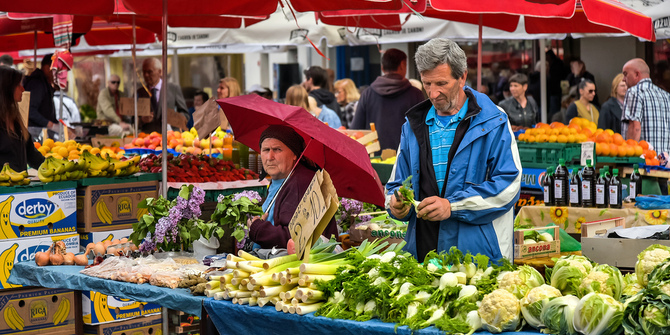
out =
column 383, row 171
column 619, row 160
column 118, row 180
column 543, row 155
column 39, row 186
column 212, row 195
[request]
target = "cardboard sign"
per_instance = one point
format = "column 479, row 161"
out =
column 24, row 107
column 207, row 117
column 127, row 106
column 176, row 120
column 313, row 213
column 588, row 150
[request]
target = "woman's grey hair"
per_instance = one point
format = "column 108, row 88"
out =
column 440, row 51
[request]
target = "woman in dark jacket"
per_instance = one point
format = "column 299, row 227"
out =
column 16, row 144
column 610, row 113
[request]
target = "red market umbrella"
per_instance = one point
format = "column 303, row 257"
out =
column 346, row 160
column 547, row 8
column 371, row 18
column 596, row 16
column 73, row 7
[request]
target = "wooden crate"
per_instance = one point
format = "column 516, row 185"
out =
column 595, row 228
column 540, row 249
column 369, row 140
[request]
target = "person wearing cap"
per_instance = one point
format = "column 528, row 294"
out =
column 281, row 148
column 42, row 111
column 109, row 107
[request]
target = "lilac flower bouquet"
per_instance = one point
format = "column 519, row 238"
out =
column 234, row 210
column 173, row 225
column 347, row 214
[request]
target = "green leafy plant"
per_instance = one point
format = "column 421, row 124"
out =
column 234, row 210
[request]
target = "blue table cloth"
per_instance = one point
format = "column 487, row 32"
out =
column 68, row 277
column 236, row 319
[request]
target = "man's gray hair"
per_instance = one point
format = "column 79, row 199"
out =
column 153, row 62
column 440, row 51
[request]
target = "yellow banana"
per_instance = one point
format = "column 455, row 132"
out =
column 6, row 231
column 63, row 311
column 100, row 307
column 12, row 318
column 103, row 212
column 3, row 177
column 7, row 260
column 13, row 175
column 141, row 212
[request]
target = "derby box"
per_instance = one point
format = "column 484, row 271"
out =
column 98, row 308
column 112, row 206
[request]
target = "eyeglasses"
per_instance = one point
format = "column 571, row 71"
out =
column 591, row 91
column 115, row 82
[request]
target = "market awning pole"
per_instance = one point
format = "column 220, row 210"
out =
column 479, row 55
column 163, row 101
column 137, row 121
column 543, row 81
column 35, row 53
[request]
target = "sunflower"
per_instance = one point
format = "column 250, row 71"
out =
column 578, row 224
column 656, row 217
column 558, row 214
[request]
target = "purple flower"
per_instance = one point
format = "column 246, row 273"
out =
column 251, row 195
column 147, row 245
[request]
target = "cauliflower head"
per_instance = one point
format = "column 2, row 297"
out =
column 519, row 282
column 648, row 259
column 500, row 311
column 534, row 301
column 604, row 279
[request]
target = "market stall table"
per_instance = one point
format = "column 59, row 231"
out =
column 230, row 318
column 68, row 277
column 572, row 218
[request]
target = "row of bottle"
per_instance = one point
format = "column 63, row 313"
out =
column 562, row 188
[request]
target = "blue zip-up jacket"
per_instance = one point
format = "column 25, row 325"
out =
column 483, row 178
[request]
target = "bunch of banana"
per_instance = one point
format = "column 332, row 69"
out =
column 126, row 167
column 12, row 318
column 54, row 169
column 96, row 166
column 9, row 177
column 62, row 312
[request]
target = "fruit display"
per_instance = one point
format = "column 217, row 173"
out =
column 88, row 165
column 196, row 168
column 184, row 142
column 72, row 150
column 581, row 130
column 9, row 177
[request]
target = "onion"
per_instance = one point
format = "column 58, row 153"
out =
column 82, row 259
column 124, row 240
column 59, row 247
column 90, row 246
column 41, row 258
column 133, row 247
column 56, row 259
column 68, row 259
column 106, row 244
column 99, row 249
column 115, row 242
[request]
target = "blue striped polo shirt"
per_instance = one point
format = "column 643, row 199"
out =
column 442, row 130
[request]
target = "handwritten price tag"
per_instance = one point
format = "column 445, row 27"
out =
column 313, row 213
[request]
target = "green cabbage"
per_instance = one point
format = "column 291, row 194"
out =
column 568, row 272
column 532, row 303
column 648, row 312
column 604, row 279
column 557, row 315
column 598, row 314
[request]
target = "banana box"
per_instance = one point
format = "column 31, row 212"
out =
column 102, row 236
column 112, row 206
column 99, row 308
column 30, row 214
column 37, row 311
column 147, row 325
column 21, row 250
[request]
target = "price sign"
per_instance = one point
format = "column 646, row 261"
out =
column 127, row 106
column 313, row 213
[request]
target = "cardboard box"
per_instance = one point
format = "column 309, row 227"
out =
column 539, row 249
column 98, row 308
column 94, row 237
column 110, row 141
column 20, row 250
column 37, row 311
column 149, row 325
column 619, row 252
column 37, row 213
column 112, row 206
column 394, row 236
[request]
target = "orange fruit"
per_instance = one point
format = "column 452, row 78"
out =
column 541, row 138
column 521, row 137
column 566, row 131
column 604, row 138
column 644, row 144
column 638, row 151
column 622, row 150
column 599, row 149
column 552, row 138
column 587, row 132
column 37, row 145
column 605, row 148
column 555, row 131
column 655, row 161
column 617, row 139
column 609, row 131
column 556, row 125
column 562, row 139
column 614, row 150
column 530, row 139
column 630, row 151
column 631, row 141
column 572, row 138
column 652, row 154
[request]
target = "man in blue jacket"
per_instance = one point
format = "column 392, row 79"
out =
column 460, row 151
